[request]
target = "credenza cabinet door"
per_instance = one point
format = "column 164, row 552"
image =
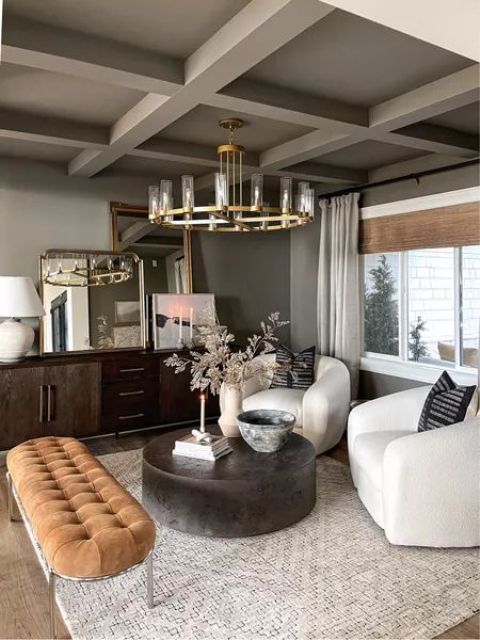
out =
column 72, row 399
column 177, row 401
column 22, row 405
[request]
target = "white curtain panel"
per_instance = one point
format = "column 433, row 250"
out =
column 338, row 297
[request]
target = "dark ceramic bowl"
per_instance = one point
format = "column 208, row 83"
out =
column 266, row 430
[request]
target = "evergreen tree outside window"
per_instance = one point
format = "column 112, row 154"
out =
column 381, row 304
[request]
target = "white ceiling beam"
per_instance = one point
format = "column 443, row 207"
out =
column 61, row 51
column 133, row 234
column 172, row 151
column 39, row 46
column 268, row 101
column 433, row 139
column 451, row 92
column 431, row 99
column 306, row 147
column 251, row 35
column 187, row 152
column 412, row 167
column 30, row 128
column 443, row 23
column 16, row 125
column 310, row 171
column 19, row 126
column 319, row 172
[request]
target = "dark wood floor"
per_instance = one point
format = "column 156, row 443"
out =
column 23, row 589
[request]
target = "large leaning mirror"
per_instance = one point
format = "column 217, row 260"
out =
column 93, row 301
column 166, row 253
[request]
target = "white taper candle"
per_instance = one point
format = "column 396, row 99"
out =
column 202, row 412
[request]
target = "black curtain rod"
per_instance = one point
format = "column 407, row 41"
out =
column 410, row 176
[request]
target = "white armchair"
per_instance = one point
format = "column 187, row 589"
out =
column 321, row 411
column 423, row 488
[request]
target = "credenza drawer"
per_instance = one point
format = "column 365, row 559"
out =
column 127, row 392
column 130, row 369
column 126, row 420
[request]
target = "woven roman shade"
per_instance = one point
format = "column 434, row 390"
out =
column 452, row 226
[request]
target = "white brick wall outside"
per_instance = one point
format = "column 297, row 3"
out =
column 431, row 293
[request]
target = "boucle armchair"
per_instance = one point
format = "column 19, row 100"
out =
column 421, row 488
column 321, row 411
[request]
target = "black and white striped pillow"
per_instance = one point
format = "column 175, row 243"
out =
column 296, row 370
column 447, row 403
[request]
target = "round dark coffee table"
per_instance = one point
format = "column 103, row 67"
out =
column 243, row 494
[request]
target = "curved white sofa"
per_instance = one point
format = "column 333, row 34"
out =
column 423, row 488
column 321, row 411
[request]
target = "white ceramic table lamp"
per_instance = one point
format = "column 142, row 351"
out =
column 18, row 299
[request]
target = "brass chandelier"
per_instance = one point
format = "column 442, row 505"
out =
column 229, row 212
column 86, row 269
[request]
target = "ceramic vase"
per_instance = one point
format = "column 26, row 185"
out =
column 232, row 407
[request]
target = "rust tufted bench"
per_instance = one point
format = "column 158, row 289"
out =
column 85, row 524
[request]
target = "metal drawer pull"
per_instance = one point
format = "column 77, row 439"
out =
column 41, row 412
column 50, row 402
column 134, row 415
column 134, row 370
column 131, row 393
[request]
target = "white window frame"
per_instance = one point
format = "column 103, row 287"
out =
column 399, row 366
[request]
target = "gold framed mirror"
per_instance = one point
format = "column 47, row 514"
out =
column 93, row 301
column 166, row 253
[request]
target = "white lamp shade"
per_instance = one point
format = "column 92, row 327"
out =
column 19, row 298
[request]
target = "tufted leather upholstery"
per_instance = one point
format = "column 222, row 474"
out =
column 87, row 525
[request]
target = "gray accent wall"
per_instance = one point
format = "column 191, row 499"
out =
column 249, row 275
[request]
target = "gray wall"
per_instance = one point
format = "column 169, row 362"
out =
column 304, row 265
column 41, row 208
column 249, row 274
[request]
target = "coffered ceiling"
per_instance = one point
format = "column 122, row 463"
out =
column 326, row 95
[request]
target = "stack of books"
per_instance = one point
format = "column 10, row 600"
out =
column 190, row 447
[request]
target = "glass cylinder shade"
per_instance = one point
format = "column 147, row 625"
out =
column 166, row 199
column 310, row 203
column 285, row 194
column 221, row 199
column 188, row 196
column 303, row 188
column 256, row 197
column 153, row 201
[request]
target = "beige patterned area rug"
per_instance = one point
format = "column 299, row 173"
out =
column 332, row 575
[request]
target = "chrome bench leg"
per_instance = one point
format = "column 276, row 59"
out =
column 150, row 602
column 51, row 598
column 11, row 500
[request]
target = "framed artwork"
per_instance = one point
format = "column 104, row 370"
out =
column 178, row 317
column 127, row 311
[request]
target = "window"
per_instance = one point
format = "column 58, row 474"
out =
column 382, row 304
column 431, row 306
column 470, row 270
column 424, row 306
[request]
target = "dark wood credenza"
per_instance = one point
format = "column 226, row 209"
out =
column 93, row 394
